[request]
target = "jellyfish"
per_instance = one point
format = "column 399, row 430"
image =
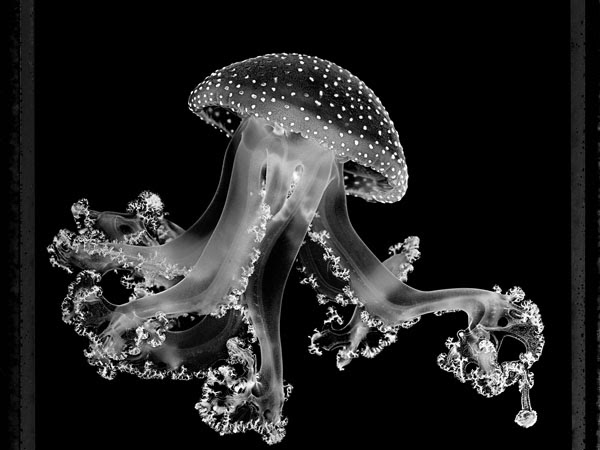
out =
column 205, row 302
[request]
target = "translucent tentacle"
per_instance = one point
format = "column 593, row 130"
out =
column 386, row 303
column 157, row 348
column 141, row 239
column 221, row 274
column 294, row 186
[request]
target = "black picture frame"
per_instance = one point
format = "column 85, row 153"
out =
column 26, row 264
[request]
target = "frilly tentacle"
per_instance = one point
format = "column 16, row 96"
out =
column 343, row 271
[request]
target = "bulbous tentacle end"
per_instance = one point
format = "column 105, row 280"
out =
column 474, row 355
column 339, row 266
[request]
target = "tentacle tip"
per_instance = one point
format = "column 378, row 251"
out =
column 402, row 257
column 313, row 347
column 345, row 357
column 526, row 418
column 235, row 401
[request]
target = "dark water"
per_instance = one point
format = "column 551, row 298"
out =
column 479, row 98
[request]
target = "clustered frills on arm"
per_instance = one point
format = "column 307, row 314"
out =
column 157, row 346
column 366, row 335
column 341, row 269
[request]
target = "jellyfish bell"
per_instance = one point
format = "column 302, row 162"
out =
column 305, row 133
column 318, row 100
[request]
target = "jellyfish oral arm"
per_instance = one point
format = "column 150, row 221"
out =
column 107, row 240
column 221, row 273
column 297, row 173
column 383, row 293
column 286, row 233
column 343, row 270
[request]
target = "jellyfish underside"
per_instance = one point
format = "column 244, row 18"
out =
column 201, row 298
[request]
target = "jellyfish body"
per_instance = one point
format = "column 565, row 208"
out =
column 304, row 134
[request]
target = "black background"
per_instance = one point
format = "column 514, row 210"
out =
column 479, row 96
